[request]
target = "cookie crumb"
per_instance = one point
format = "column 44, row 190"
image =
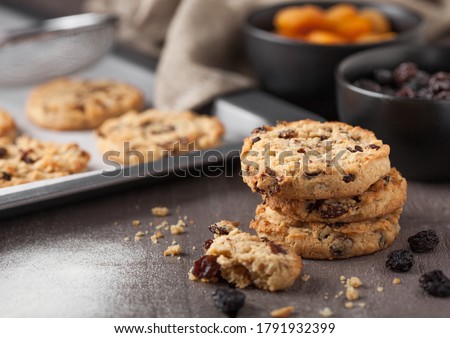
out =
column 161, row 225
column 139, row 235
column 396, row 281
column 351, row 293
column 174, row 242
column 172, row 250
column 178, row 228
column 362, row 304
column 305, row 277
column 342, row 279
column 340, row 293
column 160, row 211
column 354, row 282
column 326, row 312
column 283, row 312
column 194, row 248
column 155, row 237
column 380, row 289
column 126, row 239
column 178, row 257
column 135, row 222
column 349, row 305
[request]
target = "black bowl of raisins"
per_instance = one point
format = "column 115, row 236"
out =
column 402, row 93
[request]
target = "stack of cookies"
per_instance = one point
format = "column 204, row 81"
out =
column 328, row 189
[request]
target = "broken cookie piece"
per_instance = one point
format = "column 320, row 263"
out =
column 243, row 259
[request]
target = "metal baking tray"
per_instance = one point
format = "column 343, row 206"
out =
column 239, row 112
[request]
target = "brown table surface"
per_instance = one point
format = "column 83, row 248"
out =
column 73, row 261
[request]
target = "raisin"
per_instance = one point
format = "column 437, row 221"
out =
column 206, row 267
column 229, row 301
column 223, row 227
column 341, row 246
column 356, row 199
column 301, row 151
column 324, row 137
column 423, row 241
column 419, row 81
column 259, row 130
column 374, row 146
column 264, row 239
column 442, row 96
column 256, row 139
column 435, row 283
column 333, row 210
column 357, row 148
column 287, row 134
column 400, row 260
column 3, row 152
column 6, row 176
column 404, row 72
column 386, row 178
column 406, row 92
column 271, row 172
column 275, row 248
column 314, row 205
column 26, row 157
column 349, row 178
column 383, row 76
column 313, row 174
column 368, row 85
column 207, row 244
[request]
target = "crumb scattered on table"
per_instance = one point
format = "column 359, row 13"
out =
column 351, row 293
column 283, row 312
column 178, row 228
column 349, row 305
column 354, row 282
column 135, row 222
column 155, row 237
column 161, row 225
column 326, row 312
column 380, row 289
column 126, row 239
column 172, row 250
column 305, row 277
column 160, row 211
column 362, row 304
column 139, row 235
column 396, row 281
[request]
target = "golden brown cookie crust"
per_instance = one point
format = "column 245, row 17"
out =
column 313, row 160
column 330, row 241
column 74, row 104
column 153, row 134
column 383, row 197
column 7, row 127
column 28, row 160
column 245, row 259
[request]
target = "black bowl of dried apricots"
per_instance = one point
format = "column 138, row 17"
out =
column 402, row 93
column 295, row 47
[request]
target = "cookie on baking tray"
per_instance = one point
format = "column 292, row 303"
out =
column 74, row 104
column 148, row 136
column 244, row 259
column 316, row 240
column 7, row 127
column 310, row 160
column 383, row 197
column 28, row 160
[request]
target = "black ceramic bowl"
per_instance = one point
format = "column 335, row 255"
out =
column 300, row 71
column 417, row 130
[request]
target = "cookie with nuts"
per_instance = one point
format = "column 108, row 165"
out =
column 244, row 259
column 311, row 160
column 148, row 136
column 27, row 160
column 75, row 104
column 383, row 197
column 316, row 240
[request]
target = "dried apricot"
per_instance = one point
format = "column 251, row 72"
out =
column 300, row 20
column 380, row 23
column 325, row 38
column 340, row 12
column 354, row 27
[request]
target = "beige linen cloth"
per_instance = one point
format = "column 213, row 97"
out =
column 198, row 42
